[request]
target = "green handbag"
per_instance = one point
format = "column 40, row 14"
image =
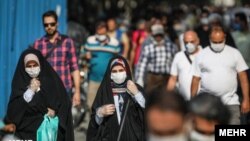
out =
column 48, row 129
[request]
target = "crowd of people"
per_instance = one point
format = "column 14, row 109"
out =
column 169, row 79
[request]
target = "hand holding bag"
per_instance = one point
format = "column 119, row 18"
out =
column 48, row 129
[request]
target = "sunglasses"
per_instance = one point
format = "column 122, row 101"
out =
column 49, row 24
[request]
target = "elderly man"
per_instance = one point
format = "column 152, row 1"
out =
column 155, row 61
column 216, row 69
column 181, row 66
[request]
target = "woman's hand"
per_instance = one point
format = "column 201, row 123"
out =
column 51, row 113
column 9, row 127
column 132, row 87
column 106, row 110
column 34, row 85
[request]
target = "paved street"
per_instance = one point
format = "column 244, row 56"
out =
column 80, row 132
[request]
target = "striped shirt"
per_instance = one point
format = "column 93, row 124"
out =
column 101, row 54
column 63, row 58
column 155, row 58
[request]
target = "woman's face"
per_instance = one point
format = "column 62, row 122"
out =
column 117, row 69
column 31, row 64
column 32, row 68
column 118, row 74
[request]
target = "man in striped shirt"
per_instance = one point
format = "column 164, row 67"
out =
column 155, row 61
column 59, row 50
column 99, row 49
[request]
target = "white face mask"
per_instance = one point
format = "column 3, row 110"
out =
column 33, row 72
column 195, row 136
column 217, row 47
column 119, row 77
column 101, row 38
column 190, row 47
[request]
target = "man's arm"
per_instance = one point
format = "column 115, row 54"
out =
column 171, row 83
column 141, row 67
column 245, row 91
column 132, row 55
column 77, row 95
column 195, row 86
column 73, row 63
column 125, row 42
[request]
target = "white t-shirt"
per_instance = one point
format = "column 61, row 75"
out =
column 182, row 68
column 218, row 72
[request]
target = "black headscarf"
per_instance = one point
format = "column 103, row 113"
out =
column 134, row 127
column 28, row 116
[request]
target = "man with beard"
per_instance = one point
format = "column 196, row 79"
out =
column 59, row 50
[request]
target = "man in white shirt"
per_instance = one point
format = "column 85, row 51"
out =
column 181, row 66
column 216, row 69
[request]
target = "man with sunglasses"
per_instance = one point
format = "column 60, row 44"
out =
column 59, row 50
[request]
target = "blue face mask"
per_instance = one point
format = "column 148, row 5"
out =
column 237, row 26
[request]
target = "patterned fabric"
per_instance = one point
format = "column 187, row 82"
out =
column 63, row 58
column 117, row 62
column 101, row 54
column 120, row 90
column 156, row 58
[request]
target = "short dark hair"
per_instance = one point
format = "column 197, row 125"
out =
column 100, row 24
column 112, row 19
column 210, row 107
column 169, row 101
column 50, row 13
column 242, row 17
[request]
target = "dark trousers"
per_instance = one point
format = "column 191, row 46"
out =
column 155, row 81
column 245, row 118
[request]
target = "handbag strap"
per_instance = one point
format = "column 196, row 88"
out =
column 123, row 120
column 59, row 43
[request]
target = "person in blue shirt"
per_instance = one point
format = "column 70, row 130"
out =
column 98, row 50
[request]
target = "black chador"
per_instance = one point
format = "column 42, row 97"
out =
column 131, row 126
column 27, row 116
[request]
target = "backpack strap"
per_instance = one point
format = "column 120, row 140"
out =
column 188, row 57
column 59, row 43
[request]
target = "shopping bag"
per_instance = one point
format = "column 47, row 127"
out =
column 48, row 129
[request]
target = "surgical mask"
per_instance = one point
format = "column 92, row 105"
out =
column 101, row 38
column 33, row 72
column 196, row 136
column 177, row 137
column 190, row 47
column 119, row 77
column 204, row 21
column 217, row 47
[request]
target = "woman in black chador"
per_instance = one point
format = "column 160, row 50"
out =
column 37, row 90
column 118, row 109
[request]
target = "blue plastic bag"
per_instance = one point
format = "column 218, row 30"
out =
column 48, row 129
